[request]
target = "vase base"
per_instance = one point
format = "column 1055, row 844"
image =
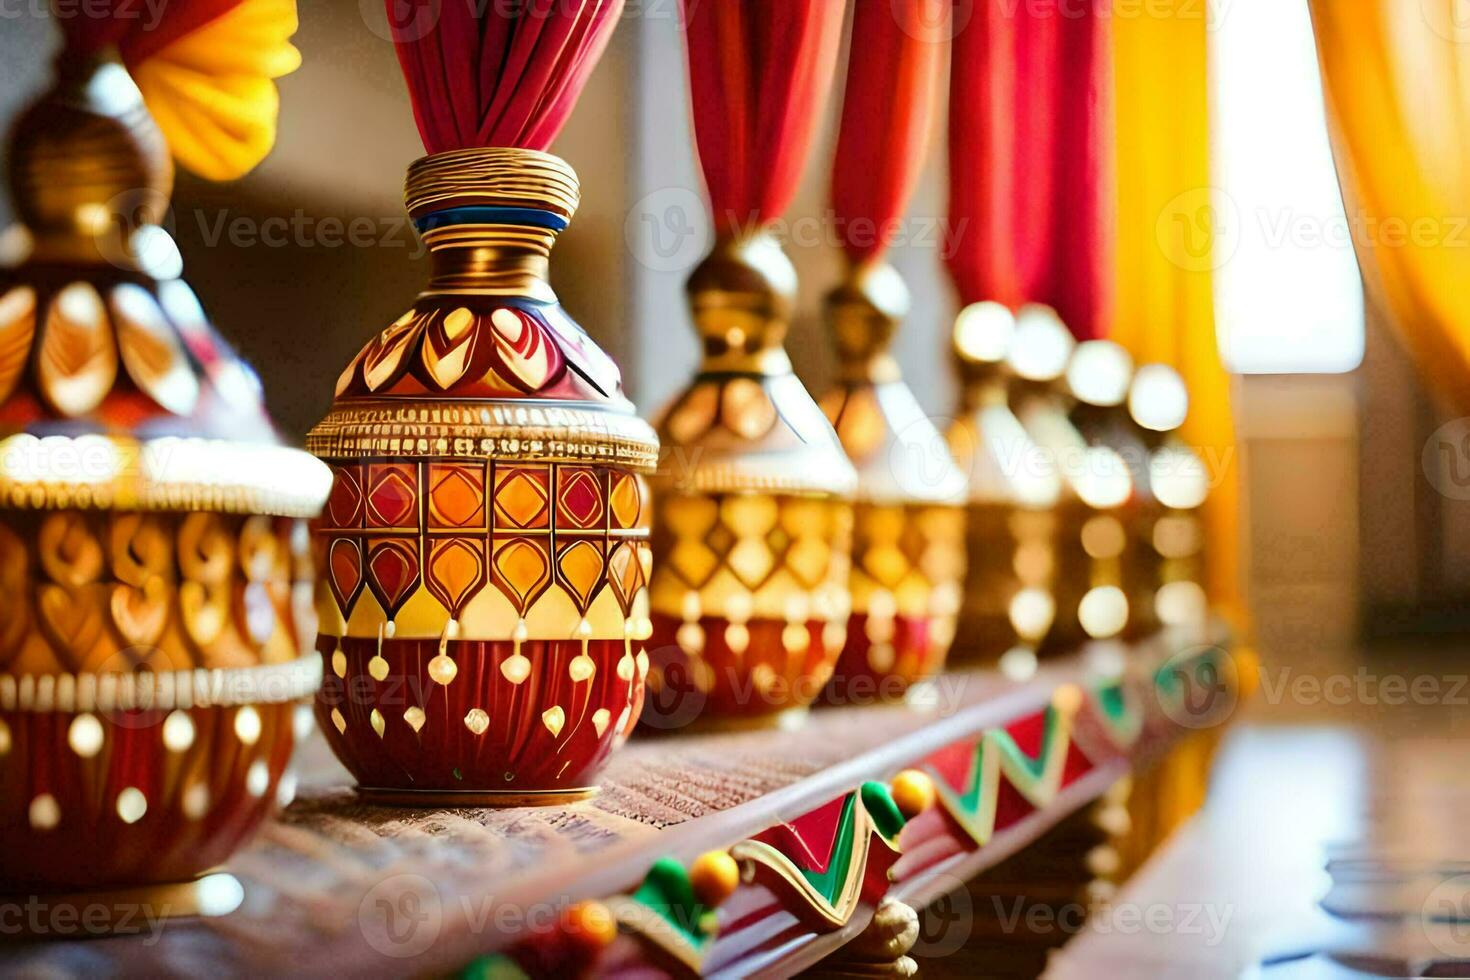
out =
column 428, row 798
column 127, row 911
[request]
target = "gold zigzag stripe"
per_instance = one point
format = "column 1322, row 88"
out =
column 999, row 756
column 835, row 914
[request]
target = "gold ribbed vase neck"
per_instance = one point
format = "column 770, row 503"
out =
column 490, row 217
column 491, row 260
column 493, row 176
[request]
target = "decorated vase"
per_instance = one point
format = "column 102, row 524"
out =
column 155, row 561
column 485, row 546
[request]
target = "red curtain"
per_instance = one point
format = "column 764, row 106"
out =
column 137, row 28
column 1029, row 161
column 759, row 73
column 888, row 112
column 491, row 73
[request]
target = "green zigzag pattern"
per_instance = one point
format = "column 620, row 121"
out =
column 997, row 755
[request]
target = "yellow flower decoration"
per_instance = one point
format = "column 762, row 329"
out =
column 213, row 91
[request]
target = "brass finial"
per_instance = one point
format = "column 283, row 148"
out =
column 741, row 297
column 864, row 313
column 88, row 165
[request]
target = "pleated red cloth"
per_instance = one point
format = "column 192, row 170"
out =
column 759, row 74
column 137, row 28
column 496, row 73
column 888, row 113
column 1030, row 162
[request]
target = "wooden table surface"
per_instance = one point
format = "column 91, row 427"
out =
column 316, row 879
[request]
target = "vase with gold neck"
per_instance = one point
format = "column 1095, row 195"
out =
column 485, row 543
column 1009, row 603
column 753, row 513
column 1117, row 541
column 908, row 554
column 1094, row 480
column 155, row 619
column 1170, row 531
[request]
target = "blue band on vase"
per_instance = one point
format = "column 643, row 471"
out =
column 480, row 215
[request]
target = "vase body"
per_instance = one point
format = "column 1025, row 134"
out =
column 1172, row 538
column 908, row 557
column 1012, row 527
column 155, row 618
column 485, row 544
column 753, row 514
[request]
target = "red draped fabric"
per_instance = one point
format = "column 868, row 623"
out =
column 887, row 116
column 1030, row 165
column 137, row 28
column 488, row 73
column 759, row 73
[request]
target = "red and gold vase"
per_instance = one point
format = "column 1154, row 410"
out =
column 155, row 563
column 908, row 556
column 1116, row 539
column 1009, row 602
column 485, row 544
column 753, row 513
column 1097, row 487
column 1170, row 531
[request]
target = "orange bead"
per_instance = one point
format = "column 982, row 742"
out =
column 913, row 792
column 589, row 925
column 714, row 877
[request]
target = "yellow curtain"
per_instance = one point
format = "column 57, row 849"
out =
column 1164, row 306
column 1396, row 77
column 213, row 91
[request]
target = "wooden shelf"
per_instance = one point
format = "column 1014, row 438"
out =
column 336, row 887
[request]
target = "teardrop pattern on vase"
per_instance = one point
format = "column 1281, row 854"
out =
column 383, row 360
column 394, row 573
column 78, row 341
column 453, row 527
column 78, row 359
column 151, row 350
column 490, row 350
column 522, row 572
column 456, row 571
column 449, row 346
column 17, row 329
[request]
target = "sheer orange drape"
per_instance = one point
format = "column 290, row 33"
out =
column 1163, row 293
column 1396, row 77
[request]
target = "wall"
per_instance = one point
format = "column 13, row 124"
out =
column 300, row 311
